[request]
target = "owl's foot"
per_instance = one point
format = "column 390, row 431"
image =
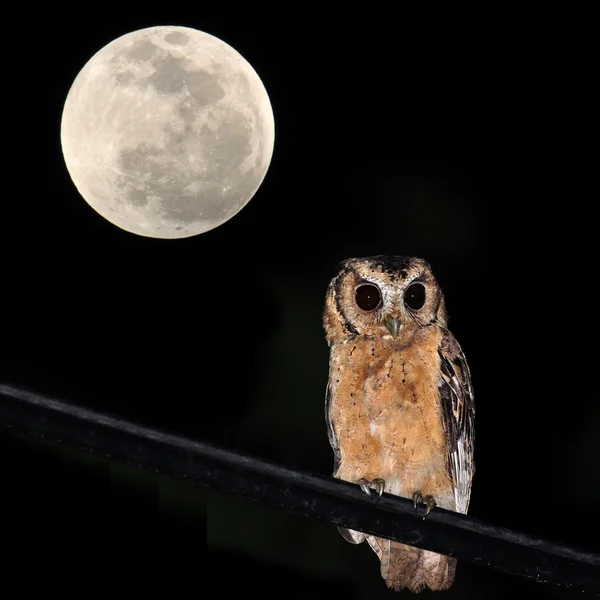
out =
column 429, row 502
column 366, row 485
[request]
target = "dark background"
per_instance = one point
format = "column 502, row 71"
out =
column 448, row 134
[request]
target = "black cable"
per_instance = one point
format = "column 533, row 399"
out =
column 307, row 494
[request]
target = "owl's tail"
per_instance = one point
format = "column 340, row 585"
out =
column 404, row 566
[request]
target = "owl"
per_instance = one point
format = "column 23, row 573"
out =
column 399, row 404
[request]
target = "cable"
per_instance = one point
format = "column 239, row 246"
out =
column 311, row 495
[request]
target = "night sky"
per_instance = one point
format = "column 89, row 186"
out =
column 448, row 135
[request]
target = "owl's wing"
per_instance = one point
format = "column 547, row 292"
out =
column 330, row 430
column 354, row 537
column 458, row 410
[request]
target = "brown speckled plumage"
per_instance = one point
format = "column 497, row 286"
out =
column 399, row 408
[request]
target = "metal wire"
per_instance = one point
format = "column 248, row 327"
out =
column 311, row 495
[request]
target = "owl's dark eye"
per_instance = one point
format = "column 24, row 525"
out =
column 368, row 297
column 414, row 297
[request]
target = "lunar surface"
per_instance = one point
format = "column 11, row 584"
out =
column 167, row 132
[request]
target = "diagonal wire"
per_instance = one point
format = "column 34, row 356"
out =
column 311, row 495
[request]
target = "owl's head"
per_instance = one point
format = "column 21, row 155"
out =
column 382, row 295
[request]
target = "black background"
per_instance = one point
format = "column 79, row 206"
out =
column 451, row 134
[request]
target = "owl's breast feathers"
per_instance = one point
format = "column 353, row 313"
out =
column 386, row 414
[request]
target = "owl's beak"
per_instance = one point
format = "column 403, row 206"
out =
column 393, row 325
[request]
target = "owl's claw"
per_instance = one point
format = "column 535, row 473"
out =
column 417, row 499
column 378, row 484
column 364, row 486
column 429, row 501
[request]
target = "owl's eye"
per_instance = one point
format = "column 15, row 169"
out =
column 414, row 297
column 368, row 297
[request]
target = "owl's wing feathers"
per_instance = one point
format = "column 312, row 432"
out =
column 354, row 537
column 458, row 411
column 330, row 430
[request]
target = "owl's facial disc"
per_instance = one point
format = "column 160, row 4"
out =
column 383, row 297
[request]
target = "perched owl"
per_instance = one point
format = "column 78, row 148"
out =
column 399, row 404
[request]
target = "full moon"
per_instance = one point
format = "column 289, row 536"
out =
column 167, row 132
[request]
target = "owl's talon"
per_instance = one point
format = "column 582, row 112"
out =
column 417, row 499
column 429, row 504
column 364, row 486
column 379, row 486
